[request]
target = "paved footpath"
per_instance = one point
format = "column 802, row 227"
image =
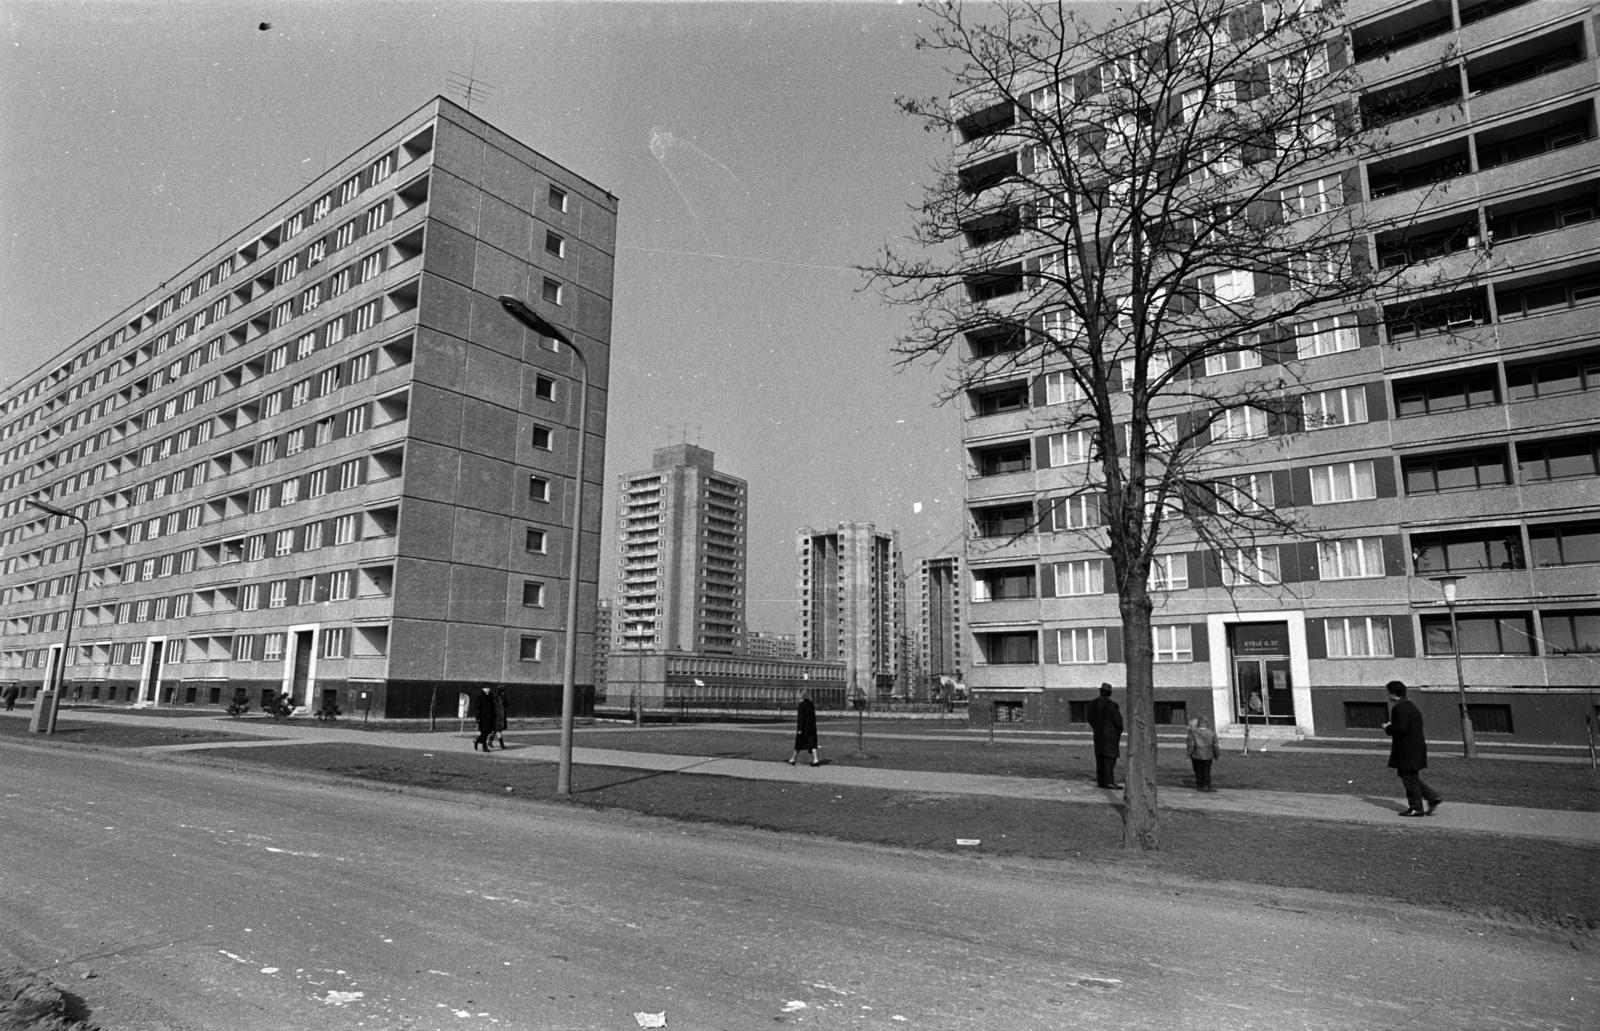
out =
column 1458, row 816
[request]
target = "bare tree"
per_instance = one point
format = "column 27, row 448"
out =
column 1137, row 208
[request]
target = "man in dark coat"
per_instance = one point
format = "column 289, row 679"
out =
column 487, row 719
column 1105, row 719
column 805, row 730
column 1408, row 754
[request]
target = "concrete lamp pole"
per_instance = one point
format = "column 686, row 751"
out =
column 49, row 703
column 1469, row 745
column 569, row 666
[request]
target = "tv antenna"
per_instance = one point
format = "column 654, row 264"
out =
column 469, row 87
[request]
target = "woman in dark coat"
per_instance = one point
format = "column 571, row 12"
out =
column 805, row 731
column 502, row 703
column 486, row 719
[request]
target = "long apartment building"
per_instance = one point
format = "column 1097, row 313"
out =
column 321, row 459
column 681, row 537
column 1460, row 433
column 852, row 604
column 942, row 585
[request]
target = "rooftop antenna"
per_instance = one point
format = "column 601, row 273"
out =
column 469, row 87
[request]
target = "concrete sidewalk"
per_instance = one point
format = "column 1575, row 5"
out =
column 1458, row 816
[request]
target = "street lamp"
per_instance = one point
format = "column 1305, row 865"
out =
column 1469, row 746
column 530, row 318
column 49, row 703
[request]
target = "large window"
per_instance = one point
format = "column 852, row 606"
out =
column 1565, row 544
column 1075, row 513
column 1009, row 458
column 1482, row 633
column 1573, row 292
column 1558, row 459
column 1169, row 572
column 1250, row 566
column 1572, row 633
column 1247, row 492
column 1061, row 388
column 1350, row 559
column 1084, row 576
column 1003, row 520
column 1469, row 388
column 1173, row 643
column 1359, row 637
column 1342, row 481
column 1457, row 470
column 1560, row 376
column 1242, row 423
column 1011, row 648
column 1003, row 584
column 1342, row 406
column 1326, row 336
column 1069, row 448
column 1078, row 645
column 1478, row 550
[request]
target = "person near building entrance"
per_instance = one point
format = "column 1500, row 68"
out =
column 1203, row 751
column 1408, row 754
column 1105, row 719
column 11, row 697
column 486, row 719
column 805, row 730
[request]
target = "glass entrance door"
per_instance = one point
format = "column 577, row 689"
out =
column 1263, row 693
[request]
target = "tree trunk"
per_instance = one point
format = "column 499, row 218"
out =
column 1139, row 819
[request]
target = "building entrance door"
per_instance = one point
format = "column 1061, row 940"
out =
column 1263, row 692
column 300, row 672
column 149, row 691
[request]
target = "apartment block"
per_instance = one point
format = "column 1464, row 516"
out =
column 682, row 529
column 852, row 603
column 942, row 586
column 321, row 459
column 602, row 644
column 764, row 645
column 1448, row 431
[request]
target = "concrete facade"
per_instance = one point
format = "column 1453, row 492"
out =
column 761, row 644
column 1477, row 447
column 852, row 605
column 327, row 461
column 941, row 582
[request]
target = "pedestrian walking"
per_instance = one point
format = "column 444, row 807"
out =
column 805, row 730
column 1105, row 719
column 1203, row 751
column 1408, row 754
column 11, row 697
column 502, row 706
column 486, row 719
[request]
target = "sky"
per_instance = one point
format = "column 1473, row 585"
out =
column 755, row 149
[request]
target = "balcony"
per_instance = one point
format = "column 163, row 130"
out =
column 1566, row 82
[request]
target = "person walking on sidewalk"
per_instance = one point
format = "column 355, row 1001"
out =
column 805, row 730
column 11, row 697
column 1408, row 754
column 1203, row 751
column 486, row 719
column 502, row 704
column 1105, row 719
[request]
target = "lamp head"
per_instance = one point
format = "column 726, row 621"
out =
column 1447, row 584
column 520, row 311
column 45, row 506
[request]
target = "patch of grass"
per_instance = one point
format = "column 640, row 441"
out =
column 117, row 735
column 1552, row 884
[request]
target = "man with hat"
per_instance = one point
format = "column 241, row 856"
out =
column 1408, row 754
column 1105, row 719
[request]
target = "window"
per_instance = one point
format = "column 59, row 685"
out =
column 536, row 541
column 544, row 388
column 1359, row 637
column 1084, row 576
column 349, row 474
column 538, row 488
column 282, row 314
column 1572, row 633
column 1003, row 584
column 345, row 529
column 307, row 590
column 361, row 367
column 244, row 648
column 335, row 641
column 278, row 594
column 541, row 438
column 147, row 569
column 1075, row 513
column 355, row 420
column 311, row 537
column 1350, row 559
column 1070, row 448
column 1459, row 470
column 1326, row 336
column 1060, row 388
column 289, row 492
column 165, row 567
column 531, row 649
column 1173, row 643
column 1250, row 566
column 1019, row 648
column 554, row 244
column 317, row 484
column 1342, row 406
column 282, row 543
column 294, row 443
column 335, row 331
column 1471, row 388
column 371, row 266
column 1554, row 377
column 1316, row 197
column 1247, row 492
column 367, row 316
column 1227, row 287
column 339, row 586
column 1243, row 423
column 1320, row 267
column 378, row 217
column 1558, row 459
column 272, row 647
column 1343, row 481
column 1169, row 573
column 328, row 381
column 319, row 211
column 277, row 358
column 1565, row 544
column 180, row 606
column 305, row 345
column 1003, row 520
column 558, row 198
column 345, row 236
column 381, row 168
column 1233, row 361
column 300, row 393
column 186, row 561
column 255, row 548
column 551, row 292
column 532, row 594
column 1482, row 633
column 1479, row 549
column 1080, row 645
column 323, row 432
column 261, row 499
column 311, row 298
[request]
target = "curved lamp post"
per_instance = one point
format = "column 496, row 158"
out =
column 530, row 318
column 1469, row 745
column 49, row 703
